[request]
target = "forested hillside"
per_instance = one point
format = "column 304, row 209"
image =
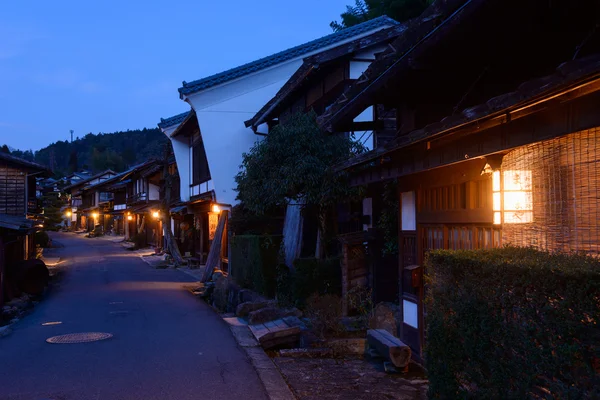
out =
column 98, row 152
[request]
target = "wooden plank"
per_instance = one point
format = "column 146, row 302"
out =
column 270, row 324
column 264, row 335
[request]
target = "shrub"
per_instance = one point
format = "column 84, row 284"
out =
column 285, row 286
column 512, row 323
column 324, row 312
column 254, row 262
column 312, row 275
column 42, row 239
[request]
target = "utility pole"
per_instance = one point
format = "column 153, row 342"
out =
column 71, row 135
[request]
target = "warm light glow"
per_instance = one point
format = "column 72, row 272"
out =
column 69, row 213
column 497, row 218
column 496, row 202
column 517, row 180
column 512, row 197
column 216, row 208
column 130, row 218
column 496, row 181
column 517, row 201
column 518, row 217
column 155, row 214
column 95, row 215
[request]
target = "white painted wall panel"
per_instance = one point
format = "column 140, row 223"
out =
column 411, row 314
column 409, row 211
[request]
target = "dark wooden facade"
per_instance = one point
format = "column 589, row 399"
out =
column 468, row 119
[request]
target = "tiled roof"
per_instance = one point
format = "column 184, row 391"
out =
column 315, row 63
column 83, row 182
column 171, row 121
column 294, row 52
column 420, row 33
column 22, row 162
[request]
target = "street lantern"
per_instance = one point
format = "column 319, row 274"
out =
column 155, row 214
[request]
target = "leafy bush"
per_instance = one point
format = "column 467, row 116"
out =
column 360, row 303
column 254, row 262
column 321, row 276
column 324, row 312
column 42, row 239
column 284, row 286
column 512, row 323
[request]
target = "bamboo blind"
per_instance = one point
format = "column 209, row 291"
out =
column 566, row 193
column 12, row 191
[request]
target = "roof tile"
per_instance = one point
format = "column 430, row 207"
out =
column 222, row 77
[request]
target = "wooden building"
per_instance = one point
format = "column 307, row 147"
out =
column 85, row 205
column 18, row 208
column 497, row 133
column 317, row 84
column 195, row 221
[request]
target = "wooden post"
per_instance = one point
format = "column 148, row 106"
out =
column 2, row 264
column 214, row 255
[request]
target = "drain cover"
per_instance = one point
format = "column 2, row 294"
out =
column 79, row 337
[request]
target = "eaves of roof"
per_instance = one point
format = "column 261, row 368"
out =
column 29, row 165
column 420, row 33
column 286, row 55
column 83, row 182
column 172, row 121
column 568, row 76
column 315, row 62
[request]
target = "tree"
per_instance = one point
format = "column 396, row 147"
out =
column 294, row 163
column 364, row 10
column 73, row 161
column 4, row 149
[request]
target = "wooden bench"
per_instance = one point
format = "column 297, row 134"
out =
column 275, row 333
column 389, row 347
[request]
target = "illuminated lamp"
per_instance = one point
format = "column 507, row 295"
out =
column 216, row 209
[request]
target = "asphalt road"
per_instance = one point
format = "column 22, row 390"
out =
column 166, row 343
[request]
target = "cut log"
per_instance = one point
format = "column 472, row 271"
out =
column 275, row 334
column 389, row 347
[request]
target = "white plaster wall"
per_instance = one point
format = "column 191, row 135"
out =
column 222, row 124
column 153, row 192
column 182, row 158
column 221, row 112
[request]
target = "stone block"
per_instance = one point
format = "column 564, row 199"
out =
column 244, row 309
column 264, row 315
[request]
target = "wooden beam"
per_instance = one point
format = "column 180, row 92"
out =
column 562, row 119
column 363, row 126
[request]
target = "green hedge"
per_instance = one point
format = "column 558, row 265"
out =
column 254, row 262
column 512, row 323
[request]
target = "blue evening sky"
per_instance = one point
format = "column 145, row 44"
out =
column 104, row 66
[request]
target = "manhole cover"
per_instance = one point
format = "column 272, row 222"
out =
column 79, row 337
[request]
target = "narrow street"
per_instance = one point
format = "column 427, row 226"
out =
column 166, row 344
